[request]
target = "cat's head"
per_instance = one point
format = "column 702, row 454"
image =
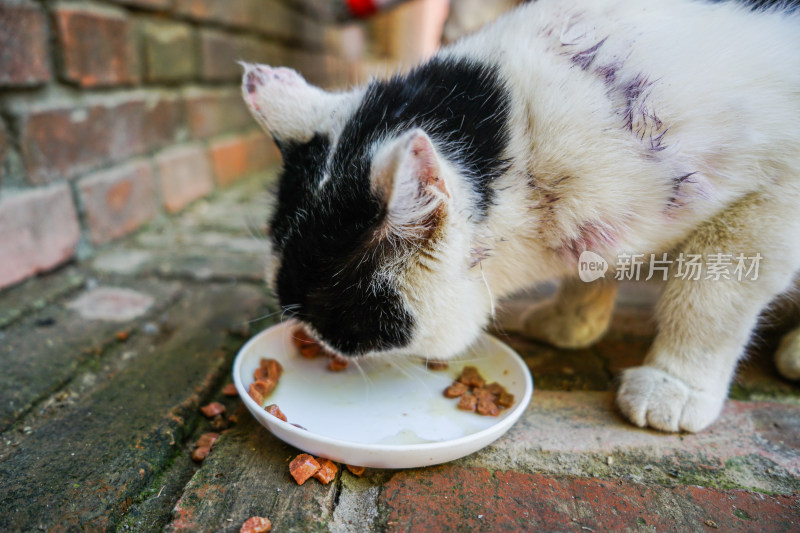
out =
column 372, row 228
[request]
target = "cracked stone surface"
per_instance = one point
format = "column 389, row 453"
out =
column 99, row 417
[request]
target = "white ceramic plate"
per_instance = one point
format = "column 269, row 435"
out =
column 381, row 413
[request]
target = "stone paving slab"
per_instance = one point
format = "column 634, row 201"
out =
column 81, row 464
column 43, row 354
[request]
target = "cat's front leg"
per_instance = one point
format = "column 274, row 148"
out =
column 577, row 317
column 787, row 358
column 705, row 324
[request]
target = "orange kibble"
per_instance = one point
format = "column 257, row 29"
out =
column 275, row 411
column 303, row 467
column 230, row 390
column 356, row 470
column 327, row 470
column 213, row 409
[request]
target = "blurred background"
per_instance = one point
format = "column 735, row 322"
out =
column 115, row 112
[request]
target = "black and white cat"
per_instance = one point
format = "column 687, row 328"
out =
column 408, row 207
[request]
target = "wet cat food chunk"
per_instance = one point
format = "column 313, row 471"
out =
column 471, row 377
column 455, row 390
column 487, row 407
column 230, row 390
column 308, row 347
column 337, row 363
column 213, row 409
column 467, row 402
column 256, row 524
column 259, row 390
column 327, row 470
column 356, row 470
column 268, row 369
column 203, row 446
column 303, row 467
column 275, row 411
column 505, row 400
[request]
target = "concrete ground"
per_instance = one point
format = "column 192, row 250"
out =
column 104, row 366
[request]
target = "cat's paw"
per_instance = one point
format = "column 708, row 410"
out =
column 787, row 358
column 651, row 397
column 561, row 327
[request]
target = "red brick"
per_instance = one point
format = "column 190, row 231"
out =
column 477, row 499
column 146, row 4
column 168, row 51
column 235, row 157
column 38, row 231
column 185, row 174
column 3, row 149
column 229, row 157
column 210, row 112
column 118, row 201
column 23, row 45
column 65, row 142
column 97, row 47
column 235, row 13
column 220, row 51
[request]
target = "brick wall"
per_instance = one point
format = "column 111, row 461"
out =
column 114, row 112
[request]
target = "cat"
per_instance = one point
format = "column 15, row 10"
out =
column 408, row 207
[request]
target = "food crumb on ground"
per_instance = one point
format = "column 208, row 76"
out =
column 230, row 390
column 303, row 467
column 213, row 409
column 203, row 446
column 256, row 524
column 356, row 470
column 327, row 470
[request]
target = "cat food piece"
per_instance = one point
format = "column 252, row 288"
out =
column 203, row 446
column 327, row 470
column 467, row 402
column 259, row 390
column 487, row 407
column 471, row 377
column 230, row 390
column 200, row 454
column 122, row 335
column 483, row 394
column 256, row 524
column 505, row 400
column 356, row 470
column 303, row 467
column 275, row 411
column 273, row 368
column 308, row 347
column 495, row 388
column 435, row 364
column 455, row 390
column 213, row 409
column 337, row 363
column 233, row 419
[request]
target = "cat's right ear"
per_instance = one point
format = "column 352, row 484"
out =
column 408, row 176
column 285, row 105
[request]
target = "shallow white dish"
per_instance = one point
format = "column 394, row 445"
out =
column 380, row 413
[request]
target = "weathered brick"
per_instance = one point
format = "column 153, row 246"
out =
column 65, row 142
column 38, row 231
column 168, row 51
column 234, row 157
column 220, row 51
column 97, row 46
column 185, row 174
column 3, row 149
column 146, row 4
column 237, row 13
column 118, row 201
column 210, row 112
column 23, row 45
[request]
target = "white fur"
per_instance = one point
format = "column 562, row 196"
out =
column 719, row 102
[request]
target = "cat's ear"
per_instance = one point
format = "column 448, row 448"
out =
column 408, row 177
column 285, row 105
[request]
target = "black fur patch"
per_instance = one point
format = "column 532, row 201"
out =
column 330, row 274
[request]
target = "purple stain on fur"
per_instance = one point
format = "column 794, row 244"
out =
column 584, row 59
column 609, row 72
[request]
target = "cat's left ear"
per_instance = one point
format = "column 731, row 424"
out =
column 408, row 175
column 288, row 107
